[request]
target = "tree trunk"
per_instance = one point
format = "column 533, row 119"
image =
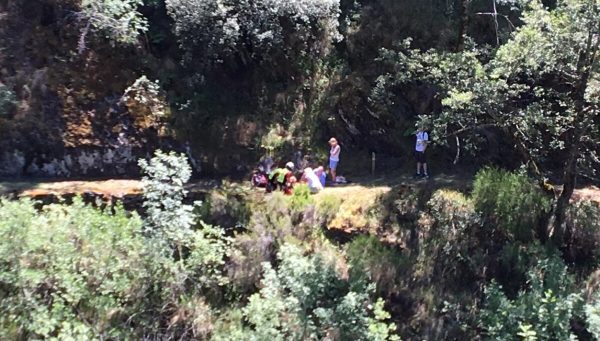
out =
column 463, row 24
column 585, row 65
column 562, row 204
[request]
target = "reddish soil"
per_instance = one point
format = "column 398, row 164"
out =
column 591, row 193
column 121, row 188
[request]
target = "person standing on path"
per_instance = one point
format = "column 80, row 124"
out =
column 334, row 157
column 420, row 148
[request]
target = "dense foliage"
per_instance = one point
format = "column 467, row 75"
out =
column 79, row 272
column 513, row 255
column 542, row 311
column 512, row 201
column 214, row 31
column 119, row 20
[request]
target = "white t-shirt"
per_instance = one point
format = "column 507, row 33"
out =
column 334, row 153
column 422, row 138
column 312, row 180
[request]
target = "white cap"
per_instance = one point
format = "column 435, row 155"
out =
column 289, row 165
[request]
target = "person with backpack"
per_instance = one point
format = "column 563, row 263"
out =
column 282, row 178
column 420, row 148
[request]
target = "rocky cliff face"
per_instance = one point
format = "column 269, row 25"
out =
column 74, row 107
column 65, row 116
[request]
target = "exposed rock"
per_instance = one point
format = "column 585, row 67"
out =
column 12, row 163
column 74, row 162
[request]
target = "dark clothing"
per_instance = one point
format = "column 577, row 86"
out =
column 420, row 156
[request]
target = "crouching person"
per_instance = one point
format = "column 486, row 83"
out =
column 312, row 180
column 282, row 178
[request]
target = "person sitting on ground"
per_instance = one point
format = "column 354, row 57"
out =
column 334, row 157
column 312, row 180
column 289, row 188
column 281, row 178
column 320, row 172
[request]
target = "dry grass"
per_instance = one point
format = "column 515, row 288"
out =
column 110, row 188
column 356, row 200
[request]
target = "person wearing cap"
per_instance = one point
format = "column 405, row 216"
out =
column 282, row 178
column 334, row 157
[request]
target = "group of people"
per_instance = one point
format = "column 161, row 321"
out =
column 284, row 178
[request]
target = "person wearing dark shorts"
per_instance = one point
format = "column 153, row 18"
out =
column 420, row 148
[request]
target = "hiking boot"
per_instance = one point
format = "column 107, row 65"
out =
column 417, row 175
column 425, row 176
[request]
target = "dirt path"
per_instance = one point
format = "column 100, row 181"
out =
column 363, row 189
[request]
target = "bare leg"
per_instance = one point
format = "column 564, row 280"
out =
column 418, row 168
column 425, row 168
column 332, row 171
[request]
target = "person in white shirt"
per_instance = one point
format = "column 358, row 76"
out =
column 334, row 157
column 420, row 148
column 312, row 180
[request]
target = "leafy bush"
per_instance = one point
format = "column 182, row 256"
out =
column 453, row 241
column 592, row 313
column 542, row 312
column 327, row 207
column 118, row 19
column 583, row 222
column 305, row 298
column 256, row 30
column 301, row 198
column 146, row 103
column 510, row 201
column 169, row 222
column 76, row 272
column 227, row 208
column 379, row 263
column 167, row 216
column 70, row 271
column 273, row 222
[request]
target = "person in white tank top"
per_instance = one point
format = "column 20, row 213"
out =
column 334, row 157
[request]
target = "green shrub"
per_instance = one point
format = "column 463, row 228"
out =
column 452, row 241
column 510, row 201
column 227, row 208
column 168, row 218
column 277, row 220
column 70, row 271
column 379, row 263
column 306, row 298
column 269, row 226
column 301, row 198
column 261, row 30
column 77, row 272
column 172, row 225
column 592, row 313
column 515, row 260
column 118, row 19
column 543, row 310
column 583, row 222
column 328, row 207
